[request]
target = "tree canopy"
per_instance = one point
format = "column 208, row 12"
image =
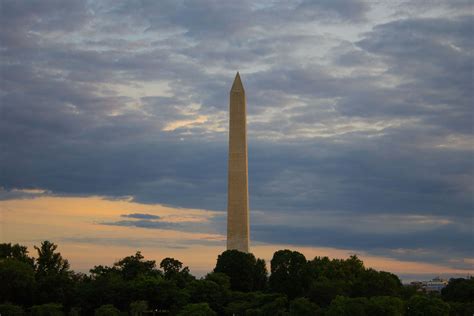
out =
column 238, row 285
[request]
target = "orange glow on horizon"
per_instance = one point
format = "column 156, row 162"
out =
column 74, row 224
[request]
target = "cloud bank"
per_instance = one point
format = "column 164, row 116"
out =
column 360, row 115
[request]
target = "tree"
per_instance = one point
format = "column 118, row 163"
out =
column 241, row 269
column 173, row 270
column 346, row 306
column 459, row 290
column 50, row 309
column 50, row 262
column 420, row 305
column 11, row 310
column 107, row 310
column 17, row 281
column 385, row 306
column 16, row 251
column 303, row 307
column 260, row 278
column 288, row 273
column 206, row 291
column 133, row 266
column 322, row 291
column 375, row 283
column 201, row 309
column 137, row 308
column 53, row 277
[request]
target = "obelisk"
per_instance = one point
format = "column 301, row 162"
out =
column 238, row 196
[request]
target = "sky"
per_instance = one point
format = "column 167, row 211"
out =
column 114, row 129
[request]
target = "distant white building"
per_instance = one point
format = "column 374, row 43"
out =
column 435, row 285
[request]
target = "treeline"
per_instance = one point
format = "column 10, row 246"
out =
column 239, row 285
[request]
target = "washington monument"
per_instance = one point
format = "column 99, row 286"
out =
column 238, row 193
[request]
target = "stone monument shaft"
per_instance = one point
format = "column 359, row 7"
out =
column 238, row 196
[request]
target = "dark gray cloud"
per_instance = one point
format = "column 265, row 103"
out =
column 379, row 122
column 140, row 216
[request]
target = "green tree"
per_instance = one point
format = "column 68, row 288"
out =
column 420, row 305
column 260, row 278
column 385, row 306
column 137, row 308
column 11, row 310
column 107, row 310
column 53, row 277
column 170, row 296
column 322, row 291
column 375, row 283
column 288, row 270
column 173, row 270
column 206, row 291
column 132, row 266
column 201, row 309
column 48, row 261
column 145, row 288
column 50, row 309
column 220, row 279
column 277, row 307
column 17, row 281
column 75, row 311
column 459, row 290
column 461, row 309
column 303, row 307
column 241, row 268
column 16, row 251
column 346, row 306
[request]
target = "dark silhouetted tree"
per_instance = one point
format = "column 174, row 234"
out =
column 17, row 282
column 288, row 273
column 245, row 273
column 11, row 310
column 420, row 305
column 16, row 251
column 303, row 307
column 107, row 310
column 50, row 309
column 133, row 266
column 173, row 270
column 201, row 309
column 375, row 283
column 459, row 290
column 53, row 277
column 137, row 308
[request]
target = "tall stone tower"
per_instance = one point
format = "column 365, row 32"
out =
column 238, row 195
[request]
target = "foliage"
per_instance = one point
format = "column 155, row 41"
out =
column 48, row 261
column 107, row 310
column 420, row 305
column 16, row 251
column 303, row 307
column 201, row 309
column 461, row 309
column 133, row 266
column 173, row 270
column 50, row 309
column 238, row 286
column 245, row 273
column 459, row 290
column 361, row 306
column 288, row 270
column 53, row 277
column 11, row 310
column 138, row 307
column 373, row 283
column 17, row 281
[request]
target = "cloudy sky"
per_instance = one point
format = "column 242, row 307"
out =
column 114, row 120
